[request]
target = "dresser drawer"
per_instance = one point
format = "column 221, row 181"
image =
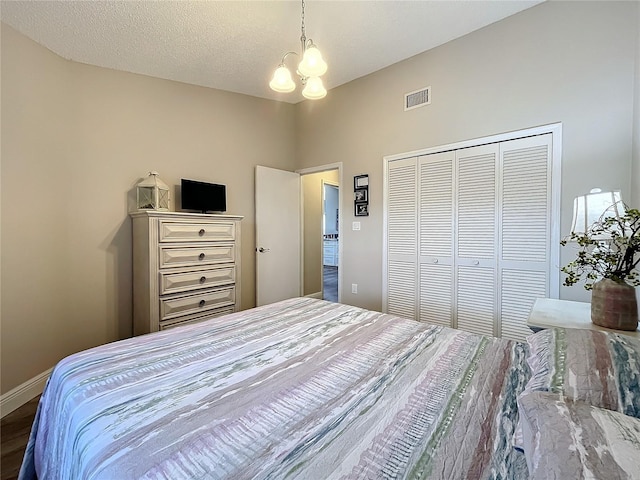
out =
column 188, row 319
column 196, row 232
column 192, row 304
column 198, row 255
column 184, row 281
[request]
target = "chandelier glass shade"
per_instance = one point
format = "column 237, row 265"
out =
column 310, row 69
column 312, row 64
column 314, row 89
column 282, row 81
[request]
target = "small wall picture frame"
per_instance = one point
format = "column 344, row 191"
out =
column 360, row 181
column 362, row 210
column 361, row 195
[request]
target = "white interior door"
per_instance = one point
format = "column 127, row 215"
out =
column 277, row 235
column 436, row 203
column 526, row 240
column 476, row 238
column 401, row 240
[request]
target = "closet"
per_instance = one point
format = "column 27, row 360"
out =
column 469, row 234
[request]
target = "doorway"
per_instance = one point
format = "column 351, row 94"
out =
column 330, row 237
column 321, row 233
column 301, row 237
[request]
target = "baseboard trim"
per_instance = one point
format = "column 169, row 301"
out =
column 20, row 395
column 317, row 295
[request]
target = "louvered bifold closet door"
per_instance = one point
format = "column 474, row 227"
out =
column 402, row 238
column 476, row 242
column 525, row 224
column 435, row 238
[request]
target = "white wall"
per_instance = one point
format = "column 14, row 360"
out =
column 569, row 62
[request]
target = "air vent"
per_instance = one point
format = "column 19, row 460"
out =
column 417, row 98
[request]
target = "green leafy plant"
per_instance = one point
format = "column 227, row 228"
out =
column 615, row 258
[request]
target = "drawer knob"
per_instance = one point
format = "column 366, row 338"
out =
column 201, row 256
column 201, row 232
column 202, row 302
column 203, row 279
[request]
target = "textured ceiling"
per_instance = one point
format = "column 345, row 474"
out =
column 236, row 45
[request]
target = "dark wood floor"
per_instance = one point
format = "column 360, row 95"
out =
column 330, row 280
column 14, row 430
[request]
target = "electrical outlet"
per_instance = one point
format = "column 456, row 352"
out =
column 355, row 226
column 354, row 288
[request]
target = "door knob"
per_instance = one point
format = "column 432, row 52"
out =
column 262, row 249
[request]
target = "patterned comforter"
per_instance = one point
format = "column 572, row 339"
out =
column 299, row 389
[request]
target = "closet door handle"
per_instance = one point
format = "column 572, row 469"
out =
column 201, row 256
column 201, row 232
column 476, row 262
column 203, row 279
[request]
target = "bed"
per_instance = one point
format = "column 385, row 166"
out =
column 299, row 389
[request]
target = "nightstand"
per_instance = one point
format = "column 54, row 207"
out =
column 550, row 313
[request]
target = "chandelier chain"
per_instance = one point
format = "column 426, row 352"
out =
column 303, row 38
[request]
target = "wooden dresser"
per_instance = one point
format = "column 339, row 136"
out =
column 186, row 268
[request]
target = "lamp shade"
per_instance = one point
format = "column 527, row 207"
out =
column 282, row 81
column 314, row 89
column 590, row 208
column 312, row 64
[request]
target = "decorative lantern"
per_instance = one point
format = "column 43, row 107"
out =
column 153, row 193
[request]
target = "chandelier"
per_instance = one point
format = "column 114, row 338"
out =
column 310, row 69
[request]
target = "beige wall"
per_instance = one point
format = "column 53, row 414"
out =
column 75, row 140
column 312, row 213
column 569, row 62
column 36, row 122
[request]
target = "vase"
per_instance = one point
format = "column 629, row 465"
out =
column 614, row 305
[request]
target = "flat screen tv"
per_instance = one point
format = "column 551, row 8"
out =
column 204, row 197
